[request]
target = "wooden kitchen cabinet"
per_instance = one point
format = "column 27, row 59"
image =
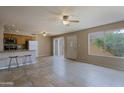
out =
column 21, row 39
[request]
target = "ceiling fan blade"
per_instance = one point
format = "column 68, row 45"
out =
column 75, row 21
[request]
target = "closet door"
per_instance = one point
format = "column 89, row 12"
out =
column 71, row 47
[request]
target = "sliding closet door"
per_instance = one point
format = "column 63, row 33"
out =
column 71, row 47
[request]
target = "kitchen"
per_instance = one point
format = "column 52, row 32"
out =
column 16, row 49
column 38, row 50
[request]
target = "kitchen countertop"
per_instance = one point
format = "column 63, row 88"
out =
column 9, row 51
column 7, row 54
column 4, row 57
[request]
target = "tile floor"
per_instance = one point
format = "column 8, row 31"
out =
column 60, row 72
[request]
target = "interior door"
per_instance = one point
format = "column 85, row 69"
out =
column 72, row 47
column 56, row 47
column 61, row 46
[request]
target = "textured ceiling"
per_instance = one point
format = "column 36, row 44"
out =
column 36, row 19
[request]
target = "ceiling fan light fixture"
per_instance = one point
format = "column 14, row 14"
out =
column 44, row 34
column 66, row 22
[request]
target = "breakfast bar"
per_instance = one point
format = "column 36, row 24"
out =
column 24, row 57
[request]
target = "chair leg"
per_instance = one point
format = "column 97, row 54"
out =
column 30, row 59
column 17, row 62
column 24, row 60
column 10, row 63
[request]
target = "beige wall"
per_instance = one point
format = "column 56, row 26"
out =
column 1, row 38
column 111, row 62
column 83, row 56
column 44, row 45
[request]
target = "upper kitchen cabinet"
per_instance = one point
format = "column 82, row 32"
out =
column 20, row 39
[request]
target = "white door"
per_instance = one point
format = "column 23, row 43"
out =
column 71, row 47
column 58, row 46
column 61, row 46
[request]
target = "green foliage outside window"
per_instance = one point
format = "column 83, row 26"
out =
column 112, row 43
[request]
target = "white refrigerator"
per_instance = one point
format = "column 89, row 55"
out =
column 33, row 45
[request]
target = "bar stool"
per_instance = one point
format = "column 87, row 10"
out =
column 27, row 58
column 16, row 59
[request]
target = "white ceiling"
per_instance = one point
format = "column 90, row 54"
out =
column 35, row 19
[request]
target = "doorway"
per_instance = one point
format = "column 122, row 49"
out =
column 71, row 47
column 58, row 46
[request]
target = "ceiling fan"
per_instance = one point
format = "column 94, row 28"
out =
column 67, row 21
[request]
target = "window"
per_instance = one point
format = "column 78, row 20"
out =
column 106, row 43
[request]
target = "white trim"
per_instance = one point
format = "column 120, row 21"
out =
column 106, row 56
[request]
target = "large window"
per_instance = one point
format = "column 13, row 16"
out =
column 106, row 43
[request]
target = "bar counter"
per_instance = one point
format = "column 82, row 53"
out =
column 4, row 58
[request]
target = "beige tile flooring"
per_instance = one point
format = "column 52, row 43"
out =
column 60, row 72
